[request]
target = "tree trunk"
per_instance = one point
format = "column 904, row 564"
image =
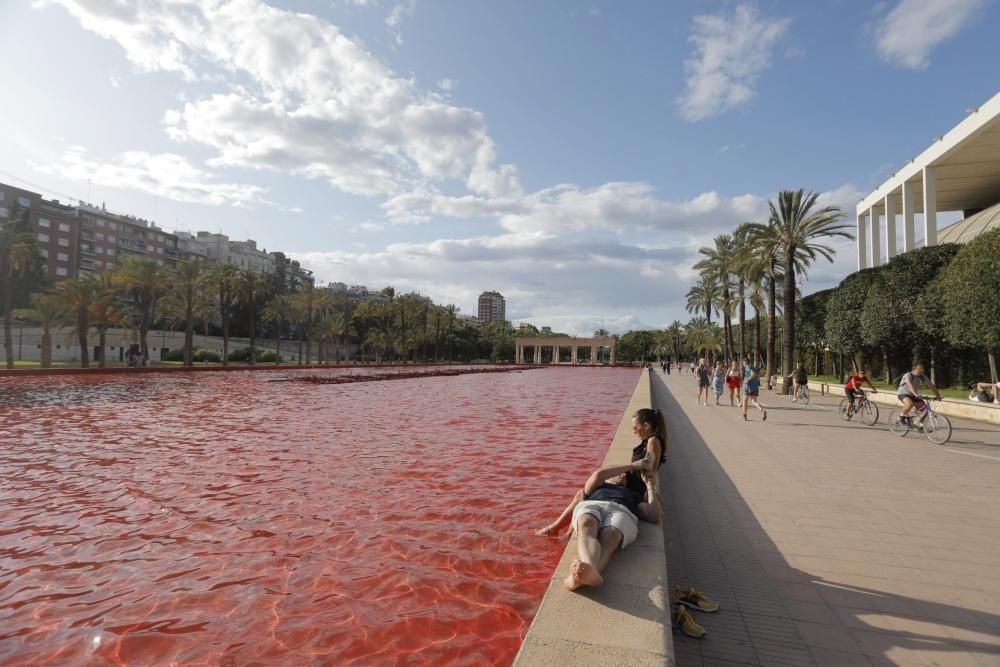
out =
column 993, row 367
column 888, row 370
column 933, row 366
column 277, row 346
column 82, row 325
column 102, row 332
column 225, row 340
column 8, row 334
column 743, row 323
column 189, row 334
column 772, row 320
column 46, row 348
column 300, row 343
column 788, row 321
column 756, row 338
column 253, row 332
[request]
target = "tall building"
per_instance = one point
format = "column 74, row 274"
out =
column 492, row 307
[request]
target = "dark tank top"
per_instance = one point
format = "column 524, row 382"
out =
column 633, row 480
column 617, row 493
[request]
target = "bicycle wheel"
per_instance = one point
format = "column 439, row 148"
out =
column 869, row 413
column 804, row 395
column 843, row 408
column 895, row 426
column 937, row 428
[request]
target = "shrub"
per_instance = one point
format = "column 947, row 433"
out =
column 202, row 355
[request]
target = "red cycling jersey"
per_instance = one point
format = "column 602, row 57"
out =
column 855, row 381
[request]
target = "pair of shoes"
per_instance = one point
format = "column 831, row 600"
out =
column 683, row 620
column 695, row 599
column 744, row 417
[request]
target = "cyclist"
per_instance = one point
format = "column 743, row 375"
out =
column 853, row 387
column 909, row 389
column 801, row 380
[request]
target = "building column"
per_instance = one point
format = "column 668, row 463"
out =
column 517, row 353
column 890, row 226
column 874, row 233
column 593, row 355
column 574, row 355
column 908, row 242
column 612, row 354
column 538, row 355
column 930, row 207
column 555, row 354
column 862, row 243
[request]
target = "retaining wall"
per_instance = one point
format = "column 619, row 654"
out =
column 627, row 620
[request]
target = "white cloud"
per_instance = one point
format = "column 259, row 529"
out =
column 913, row 28
column 317, row 103
column 446, row 85
column 114, row 81
column 166, row 175
column 395, row 17
column 731, row 51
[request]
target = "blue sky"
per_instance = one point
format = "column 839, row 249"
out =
column 573, row 156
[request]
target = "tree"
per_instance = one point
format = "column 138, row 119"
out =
column 676, row 333
column 20, row 264
column 187, row 292
column 47, row 312
column 796, row 228
column 223, row 278
column 104, row 311
column 76, row 297
column 763, row 267
column 143, row 282
column 310, row 302
column 600, row 333
column 703, row 296
column 843, row 319
column 250, row 287
column 718, row 263
column 971, row 296
column 703, row 337
column 278, row 311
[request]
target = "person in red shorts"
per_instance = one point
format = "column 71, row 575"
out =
column 853, row 387
column 733, row 380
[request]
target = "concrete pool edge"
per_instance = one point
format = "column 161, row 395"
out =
column 626, row 621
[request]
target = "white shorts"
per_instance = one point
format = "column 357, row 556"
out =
column 611, row 514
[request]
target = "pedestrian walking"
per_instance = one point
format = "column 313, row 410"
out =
column 751, row 390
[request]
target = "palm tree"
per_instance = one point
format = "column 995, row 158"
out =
column 18, row 257
column 764, row 264
column 143, row 282
column 76, row 297
column 703, row 296
column 277, row 311
column 602, row 333
column 104, row 311
column 704, row 337
column 796, row 229
column 742, row 255
column 223, row 277
column 250, row 286
column 188, row 291
column 451, row 310
column 676, row 333
column 719, row 263
column 310, row 301
column 47, row 312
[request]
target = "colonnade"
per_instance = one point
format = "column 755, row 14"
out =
column 869, row 234
column 575, row 344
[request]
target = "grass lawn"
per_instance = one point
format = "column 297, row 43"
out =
column 950, row 392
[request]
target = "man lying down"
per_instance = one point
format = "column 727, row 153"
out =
column 606, row 517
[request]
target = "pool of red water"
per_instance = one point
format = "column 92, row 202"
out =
column 231, row 519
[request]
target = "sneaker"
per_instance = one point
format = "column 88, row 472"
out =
column 764, row 418
column 695, row 599
column 687, row 624
column 744, row 417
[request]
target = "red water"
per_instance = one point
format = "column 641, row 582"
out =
column 228, row 519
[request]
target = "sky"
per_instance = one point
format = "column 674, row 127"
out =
column 572, row 155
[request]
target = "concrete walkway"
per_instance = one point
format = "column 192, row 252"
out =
column 830, row 542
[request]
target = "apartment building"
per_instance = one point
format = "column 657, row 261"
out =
column 492, row 307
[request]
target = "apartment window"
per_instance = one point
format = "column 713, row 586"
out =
column 98, row 263
column 100, row 223
column 63, row 227
column 111, row 251
column 3, row 212
column 113, row 225
column 45, row 268
column 100, row 236
column 44, row 238
column 61, row 271
column 62, row 257
column 159, row 250
column 63, row 241
column 24, row 201
column 160, row 262
column 44, row 222
column 99, row 250
column 1, row 196
column 44, row 253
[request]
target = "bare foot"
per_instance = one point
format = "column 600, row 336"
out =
column 582, row 574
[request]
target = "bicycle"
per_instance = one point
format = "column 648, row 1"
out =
column 802, row 393
column 935, row 426
column 865, row 409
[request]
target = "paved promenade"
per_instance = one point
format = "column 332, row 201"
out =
column 830, row 542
